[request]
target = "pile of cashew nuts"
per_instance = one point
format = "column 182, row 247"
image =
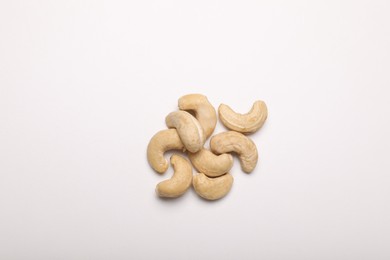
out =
column 189, row 133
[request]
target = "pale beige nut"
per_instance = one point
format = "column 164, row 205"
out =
column 212, row 188
column 244, row 123
column 188, row 128
column 160, row 143
column 210, row 164
column 232, row 141
column 180, row 181
column 204, row 111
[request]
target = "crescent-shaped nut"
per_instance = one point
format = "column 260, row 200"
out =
column 188, row 128
column 210, row 164
column 212, row 188
column 244, row 123
column 232, row 141
column 204, row 111
column 160, row 143
column 180, row 181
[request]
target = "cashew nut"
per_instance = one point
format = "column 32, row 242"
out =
column 210, row 164
column 204, row 111
column 180, row 181
column 232, row 141
column 244, row 123
column 160, row 143
column 188, row 128
column 212, row 188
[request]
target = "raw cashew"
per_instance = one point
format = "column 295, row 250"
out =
column 212, row 188
column 160, row 143
column 180, row 181
column 244, row 123
column 188, row 128
column 210, row 164
column 204, row 111
column 232, row 141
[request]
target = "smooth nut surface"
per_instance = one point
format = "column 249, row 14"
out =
column 204, row 111
column 244, row 123
column 161, row 142
column 232, row 141
column 188, row 128
column 180, row 181
column 212, row 188
column 210, row 164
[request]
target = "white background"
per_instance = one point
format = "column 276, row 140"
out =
column 84, row 85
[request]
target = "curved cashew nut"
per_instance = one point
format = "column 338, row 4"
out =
column 212, row 188
column 232, row 141
column 180, row 181
column 204, row 111
column 244, row 123
column 160, row 143
column 210, row 164
column 188, row 128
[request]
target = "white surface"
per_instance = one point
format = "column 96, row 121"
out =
column 85, row 84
